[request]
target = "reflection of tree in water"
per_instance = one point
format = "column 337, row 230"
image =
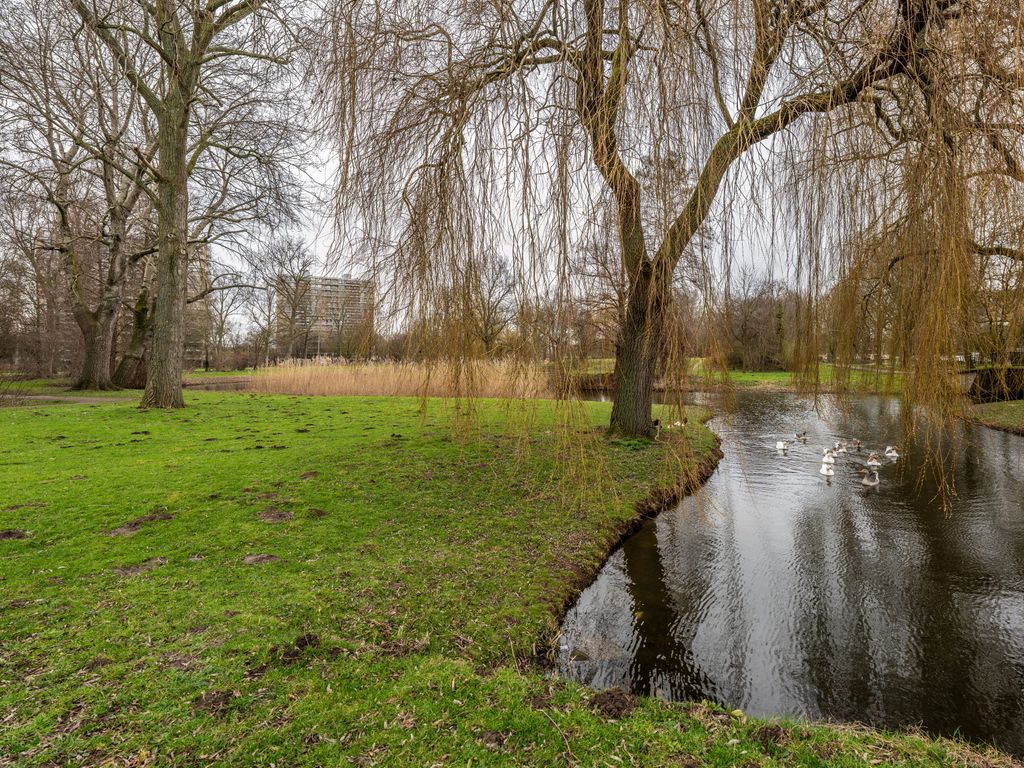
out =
column 662, row 661
column 899, row 615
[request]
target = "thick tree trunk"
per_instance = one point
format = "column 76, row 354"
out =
column 636, row 357
column 163, row 379
column 98, row 335
column 131, row 371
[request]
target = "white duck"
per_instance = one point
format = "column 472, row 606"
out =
column 782, row 445
column 828, row 457
column 826, row 470
column 873, row 461
column 870, row 477
column 892, row 452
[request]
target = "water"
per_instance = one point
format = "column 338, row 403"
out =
column 782, row 592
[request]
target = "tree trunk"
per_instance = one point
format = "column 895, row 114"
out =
column 131, row 371
column 636, row 357
column 98, row 335
column 163, row 379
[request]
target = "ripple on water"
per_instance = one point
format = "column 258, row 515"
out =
column 786, row 593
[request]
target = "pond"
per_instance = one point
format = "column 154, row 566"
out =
column 786, row 593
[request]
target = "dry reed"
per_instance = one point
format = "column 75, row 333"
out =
column 479, row 379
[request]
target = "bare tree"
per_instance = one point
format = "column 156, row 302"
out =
column 185, row 50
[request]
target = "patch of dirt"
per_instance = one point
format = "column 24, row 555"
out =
column 148, row 565
column 275, row 515
column 27, row 505
column 132, row 527
column 540, row 701
column 771, row 737
column 259, row 559
column 21, row 602
column 180, row 661
column 97, row 662
column 309, row 475
column 13, row 533
column 314, row 512
column 291, row 652
column 614, row 703
column 196, row 558
column 214, row 702
column 302, row 430
column 493, row 740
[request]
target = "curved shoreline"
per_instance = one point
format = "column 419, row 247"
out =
column 657, row 500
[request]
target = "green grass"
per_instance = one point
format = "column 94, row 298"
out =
column 860, row 379
column 1007, row 416
column 424, row 566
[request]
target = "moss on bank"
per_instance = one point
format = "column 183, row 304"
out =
column 329, row 581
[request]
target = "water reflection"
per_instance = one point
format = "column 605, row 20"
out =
column 779, row 593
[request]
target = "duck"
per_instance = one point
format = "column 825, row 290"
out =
column 892, row 452
column 870, row 477
column 839, row 448
column 873, row 461
column 800, row 436
column 782, row 445
column 855, row 444
column 828, row 457
column 826, row 470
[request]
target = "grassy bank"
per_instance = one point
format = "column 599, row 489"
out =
column 270, row 580
column 1008, row 416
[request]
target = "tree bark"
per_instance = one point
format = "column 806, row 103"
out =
column 98, row 337
column 163, row 379
column 636, row 357
column 131, row 371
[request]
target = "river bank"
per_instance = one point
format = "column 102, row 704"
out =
column 259, row 580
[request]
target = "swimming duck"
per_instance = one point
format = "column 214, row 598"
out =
column 870, row 477
column 828, row 457
column 839, row 448
column 855, row 444
column 892, row 452
column 826, row 470
column 873, row 461
column 782, row 445
column 801, row 436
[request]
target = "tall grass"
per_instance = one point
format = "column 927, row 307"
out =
column 478, row 379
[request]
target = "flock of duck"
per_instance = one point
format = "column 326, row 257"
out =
column 869, row 472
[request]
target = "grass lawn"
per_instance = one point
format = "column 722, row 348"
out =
column 285, row 581
column 1007, row 416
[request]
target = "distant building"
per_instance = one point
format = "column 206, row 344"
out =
column 318, row 315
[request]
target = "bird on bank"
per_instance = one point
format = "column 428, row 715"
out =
column 870, row 477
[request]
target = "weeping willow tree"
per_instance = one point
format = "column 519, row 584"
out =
column 856, row 132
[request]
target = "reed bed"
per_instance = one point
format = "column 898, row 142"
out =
column 477, row 379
